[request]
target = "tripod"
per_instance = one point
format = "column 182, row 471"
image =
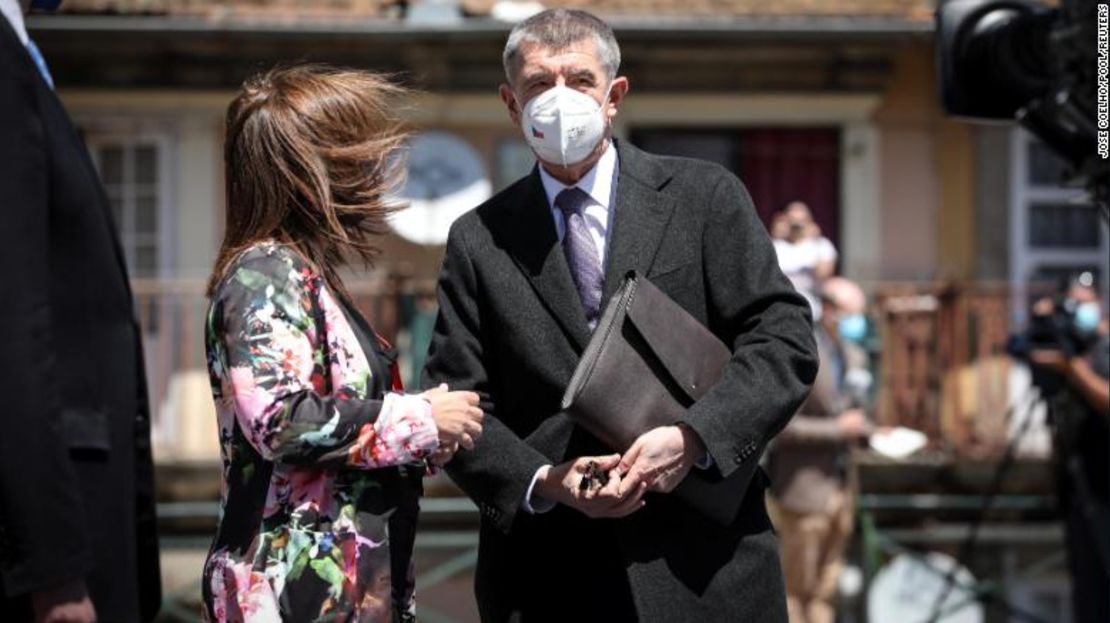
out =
column 1074, row 470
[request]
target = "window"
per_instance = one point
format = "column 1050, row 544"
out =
column 132, row 169
column 514, row 160
column 1054, row 235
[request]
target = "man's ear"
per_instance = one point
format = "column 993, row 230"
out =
column 617, row 92
column 509, row 99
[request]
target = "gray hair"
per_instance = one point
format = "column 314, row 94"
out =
column 558, row 29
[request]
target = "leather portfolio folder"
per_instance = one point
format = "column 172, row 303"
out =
column 647, row 362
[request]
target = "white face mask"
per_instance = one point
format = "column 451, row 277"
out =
column 563, row 126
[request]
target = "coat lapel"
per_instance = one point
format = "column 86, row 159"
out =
column 638, row 222
column 639, row 219
column 534, row 245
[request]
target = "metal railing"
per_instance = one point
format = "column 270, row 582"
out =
column 943, row 367
column 940, row 364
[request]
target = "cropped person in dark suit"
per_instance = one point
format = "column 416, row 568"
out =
column 524, row 279
column 77, row 525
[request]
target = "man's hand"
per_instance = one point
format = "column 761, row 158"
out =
column 68, row 603
column 1080, row 377
column 853, row 424
column 1051, row 359
column 660, row 458
column 561, row 483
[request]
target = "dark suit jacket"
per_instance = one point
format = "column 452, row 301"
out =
column 76, row 485
column 511, row 327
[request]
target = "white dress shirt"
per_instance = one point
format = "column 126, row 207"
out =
column 13, row 11
column 598, row 184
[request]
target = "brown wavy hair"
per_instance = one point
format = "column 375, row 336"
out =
column 310, row 154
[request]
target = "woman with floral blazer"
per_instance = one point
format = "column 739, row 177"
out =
column 322, row 455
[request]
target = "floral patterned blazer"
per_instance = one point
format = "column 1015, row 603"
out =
column 318, row 511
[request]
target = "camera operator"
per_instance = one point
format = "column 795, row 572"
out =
column 1078, row 367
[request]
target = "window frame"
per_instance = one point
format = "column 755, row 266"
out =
column 100, row 136
column 1026, row 259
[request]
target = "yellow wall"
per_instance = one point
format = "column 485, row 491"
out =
column 927, row 179
column 955, row 155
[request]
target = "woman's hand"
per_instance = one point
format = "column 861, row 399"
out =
column 457, row 416
column 443, row 454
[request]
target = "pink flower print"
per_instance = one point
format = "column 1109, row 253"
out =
column 311, row 490
column 251, row 400
column 347, row 361
column 257, row 600
column 403, row 432
column 292, row 351
column 218, row 588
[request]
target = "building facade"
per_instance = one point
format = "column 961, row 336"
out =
column 832, row 102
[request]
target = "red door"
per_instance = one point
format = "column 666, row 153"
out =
column 778, row 165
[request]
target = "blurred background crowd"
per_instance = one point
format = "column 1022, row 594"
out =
column 920, row 241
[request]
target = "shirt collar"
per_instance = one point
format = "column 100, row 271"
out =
column 12, row 10
column 598, row 181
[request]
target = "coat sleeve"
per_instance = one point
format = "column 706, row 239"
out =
column 276, row 368
column 496, row 474
column 42, row 535
column 753, row 308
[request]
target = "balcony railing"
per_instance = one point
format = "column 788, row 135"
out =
column 940, row 359
column 173, row 314
column 943, row 367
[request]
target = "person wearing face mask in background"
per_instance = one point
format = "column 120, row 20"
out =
column 813, row 483
column 805, row 256
column 77, row 523
column 524, row 280
column 1081, row 420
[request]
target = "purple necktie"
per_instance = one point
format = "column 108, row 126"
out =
column 578, row 244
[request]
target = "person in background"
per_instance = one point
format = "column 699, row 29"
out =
column 322, row 450
column 805, row 256
column 812, row 481
column 1082, row 425
column 78, row 537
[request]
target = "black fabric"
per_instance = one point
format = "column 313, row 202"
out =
column 1090, row 577
column 377, row 357
column 511, row 328
column 1094, row 430
column 76, row 478
column 1084, row 493
column 405, row 482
